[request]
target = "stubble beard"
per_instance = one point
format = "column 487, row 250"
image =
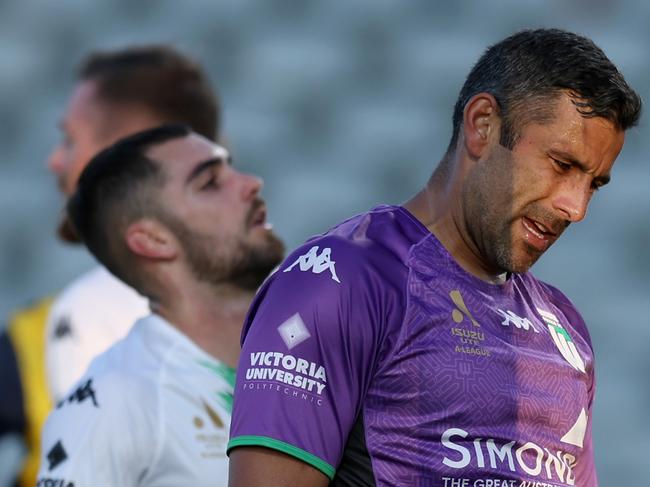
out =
column 233, row 261
column 494, row 241
column 489, row 214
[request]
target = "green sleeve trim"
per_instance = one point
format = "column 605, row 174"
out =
column 274, row 444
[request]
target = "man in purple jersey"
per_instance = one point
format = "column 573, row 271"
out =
column 410, row 345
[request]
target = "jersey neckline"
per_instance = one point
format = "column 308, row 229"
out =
column 430, row 239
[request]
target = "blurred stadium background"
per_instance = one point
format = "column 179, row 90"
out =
column 341, row 106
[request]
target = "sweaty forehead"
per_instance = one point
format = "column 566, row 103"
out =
column 592, row 140
column 564, row 122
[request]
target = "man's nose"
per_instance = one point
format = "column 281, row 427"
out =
column 56, row 160
column 251, row 185
column 572, row 197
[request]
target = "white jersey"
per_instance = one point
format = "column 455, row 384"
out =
column 91, row 314
column 152, row 411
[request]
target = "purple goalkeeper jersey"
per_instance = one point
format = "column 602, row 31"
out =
column 374, row 357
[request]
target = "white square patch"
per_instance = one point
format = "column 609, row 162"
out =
column 293, row 331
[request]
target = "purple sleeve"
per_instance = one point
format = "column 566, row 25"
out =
column 309, row 348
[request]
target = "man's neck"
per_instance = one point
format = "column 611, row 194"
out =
column 211, row 317
column 438, row 207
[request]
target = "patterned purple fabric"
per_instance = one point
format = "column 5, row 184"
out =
column 458, row 382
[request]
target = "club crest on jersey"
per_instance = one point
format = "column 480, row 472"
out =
column 316, row 262
column 563, row 340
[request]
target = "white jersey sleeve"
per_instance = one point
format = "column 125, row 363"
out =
column 89, row 315
column 100, row 435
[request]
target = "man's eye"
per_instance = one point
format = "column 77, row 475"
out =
column 595, row 185
column 210, row 183
column 562, row 165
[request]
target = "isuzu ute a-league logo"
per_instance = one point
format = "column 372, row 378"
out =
column 563, row 340
column 460, row 312
column 216, row 421
column 469, row 341
column 316, row 262
column 211, row 433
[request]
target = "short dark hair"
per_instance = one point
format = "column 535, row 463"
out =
column 527, row 70
column 159, row 78
column 116, row 188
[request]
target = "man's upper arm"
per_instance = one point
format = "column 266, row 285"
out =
column 257, row 467
column 309, row 350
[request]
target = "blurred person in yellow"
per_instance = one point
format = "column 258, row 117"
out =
column 47, row 347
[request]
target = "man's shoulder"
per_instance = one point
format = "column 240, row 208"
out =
column 374, row 241
column 127, row 374
column 354, row 273
column 127, row 369
column 559, row 303
column 96, row 285
column 98, row 303
column 551, row 293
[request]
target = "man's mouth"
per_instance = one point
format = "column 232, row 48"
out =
column 538, row 234
column 538, row 228
column 257, row 214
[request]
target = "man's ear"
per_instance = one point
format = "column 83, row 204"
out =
column 150, row 239
column 481, row 124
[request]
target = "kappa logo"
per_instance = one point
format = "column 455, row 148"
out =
column 563, row 340
column 83, row 392
column 316, row 262
column 517, row 321
column 62, row 328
